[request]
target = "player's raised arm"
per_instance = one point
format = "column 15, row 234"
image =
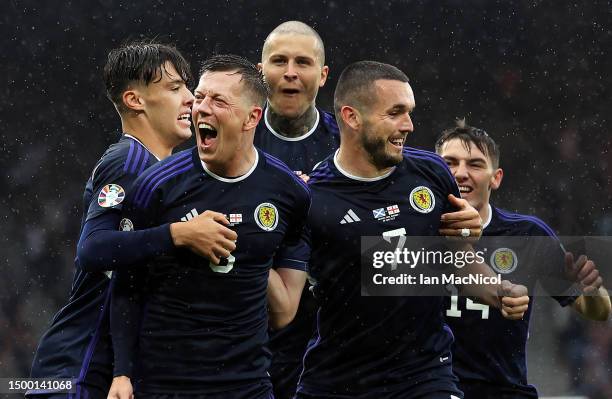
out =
column 102, row 246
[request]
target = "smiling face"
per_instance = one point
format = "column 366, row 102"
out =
column 223, row 117
column 167, row 104
column 293, row 69
column 387, row 122
column 473, row 171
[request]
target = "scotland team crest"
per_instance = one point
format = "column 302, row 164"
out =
column 422, row 199
column 111, row 195
column 266, row 216
column 504, row 260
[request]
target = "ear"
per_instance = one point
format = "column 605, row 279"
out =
column 496, row 179
column 133, row 100
column 260, row 66
column 253, row 118
column 350, row 116
column 324, row 74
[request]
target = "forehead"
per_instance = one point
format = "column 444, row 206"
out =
column 291, row 45
column 168, row 74
column 227, row 83
column 393, row 92
column 457, row 149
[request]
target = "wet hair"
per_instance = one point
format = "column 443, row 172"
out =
column 252, row 79
column 469, row 134
column 140, row 62
column 356, row 84
column 296, row 28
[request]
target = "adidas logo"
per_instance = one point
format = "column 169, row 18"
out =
column 192, row 213
column 350, row 217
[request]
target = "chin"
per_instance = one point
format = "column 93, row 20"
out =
column 290, row 112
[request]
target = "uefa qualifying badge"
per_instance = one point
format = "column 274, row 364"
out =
column 111, row 195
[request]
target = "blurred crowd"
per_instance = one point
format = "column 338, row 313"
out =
column 535, row 76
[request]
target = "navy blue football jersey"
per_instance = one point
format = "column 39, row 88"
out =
column 77, row 344
column 364, row 346
column 488, row 348
column 301, row 154
column 183, row 323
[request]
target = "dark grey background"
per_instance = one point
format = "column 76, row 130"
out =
column 534, row 74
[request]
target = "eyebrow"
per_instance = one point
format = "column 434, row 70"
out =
column 175, row 81
column 298, row 56
column 401, row 107
column 470, row 160
column 210, row 94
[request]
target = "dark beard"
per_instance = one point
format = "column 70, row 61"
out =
column 378, row 156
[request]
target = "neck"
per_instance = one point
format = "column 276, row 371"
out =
column 147, row 136
column 354, row 159
column 292, row 127
column 237, row 166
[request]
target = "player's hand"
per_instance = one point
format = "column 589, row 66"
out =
column 206, row 235
column 514, row 300
column 466, row 217
column 302, row 176
column 121, row 388
column 584, row 272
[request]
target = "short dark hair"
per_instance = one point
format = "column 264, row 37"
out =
column 140, row 61
column 469, row 134
column 251, row 77
column 356, row 83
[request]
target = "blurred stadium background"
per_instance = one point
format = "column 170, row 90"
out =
column 534, row 74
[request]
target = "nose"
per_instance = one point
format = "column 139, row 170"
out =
column 189, row 98
column 460, row 171
column 202, row 107
column 290, row 71
column 406, row 124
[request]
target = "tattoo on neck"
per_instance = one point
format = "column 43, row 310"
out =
column 293, row 127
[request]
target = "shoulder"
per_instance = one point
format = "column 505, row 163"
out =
column 427, row 161
column 328, row 120
column 522, row 224
column 426, row 158
column 282, row 172
column 323, row 172
column 125, row 157
column 160, row 173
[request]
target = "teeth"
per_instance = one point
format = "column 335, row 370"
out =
column 464, row 189
column 203, row 125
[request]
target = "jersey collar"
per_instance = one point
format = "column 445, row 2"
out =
column 486, row 224
column 359, row 178
column 233, row 179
